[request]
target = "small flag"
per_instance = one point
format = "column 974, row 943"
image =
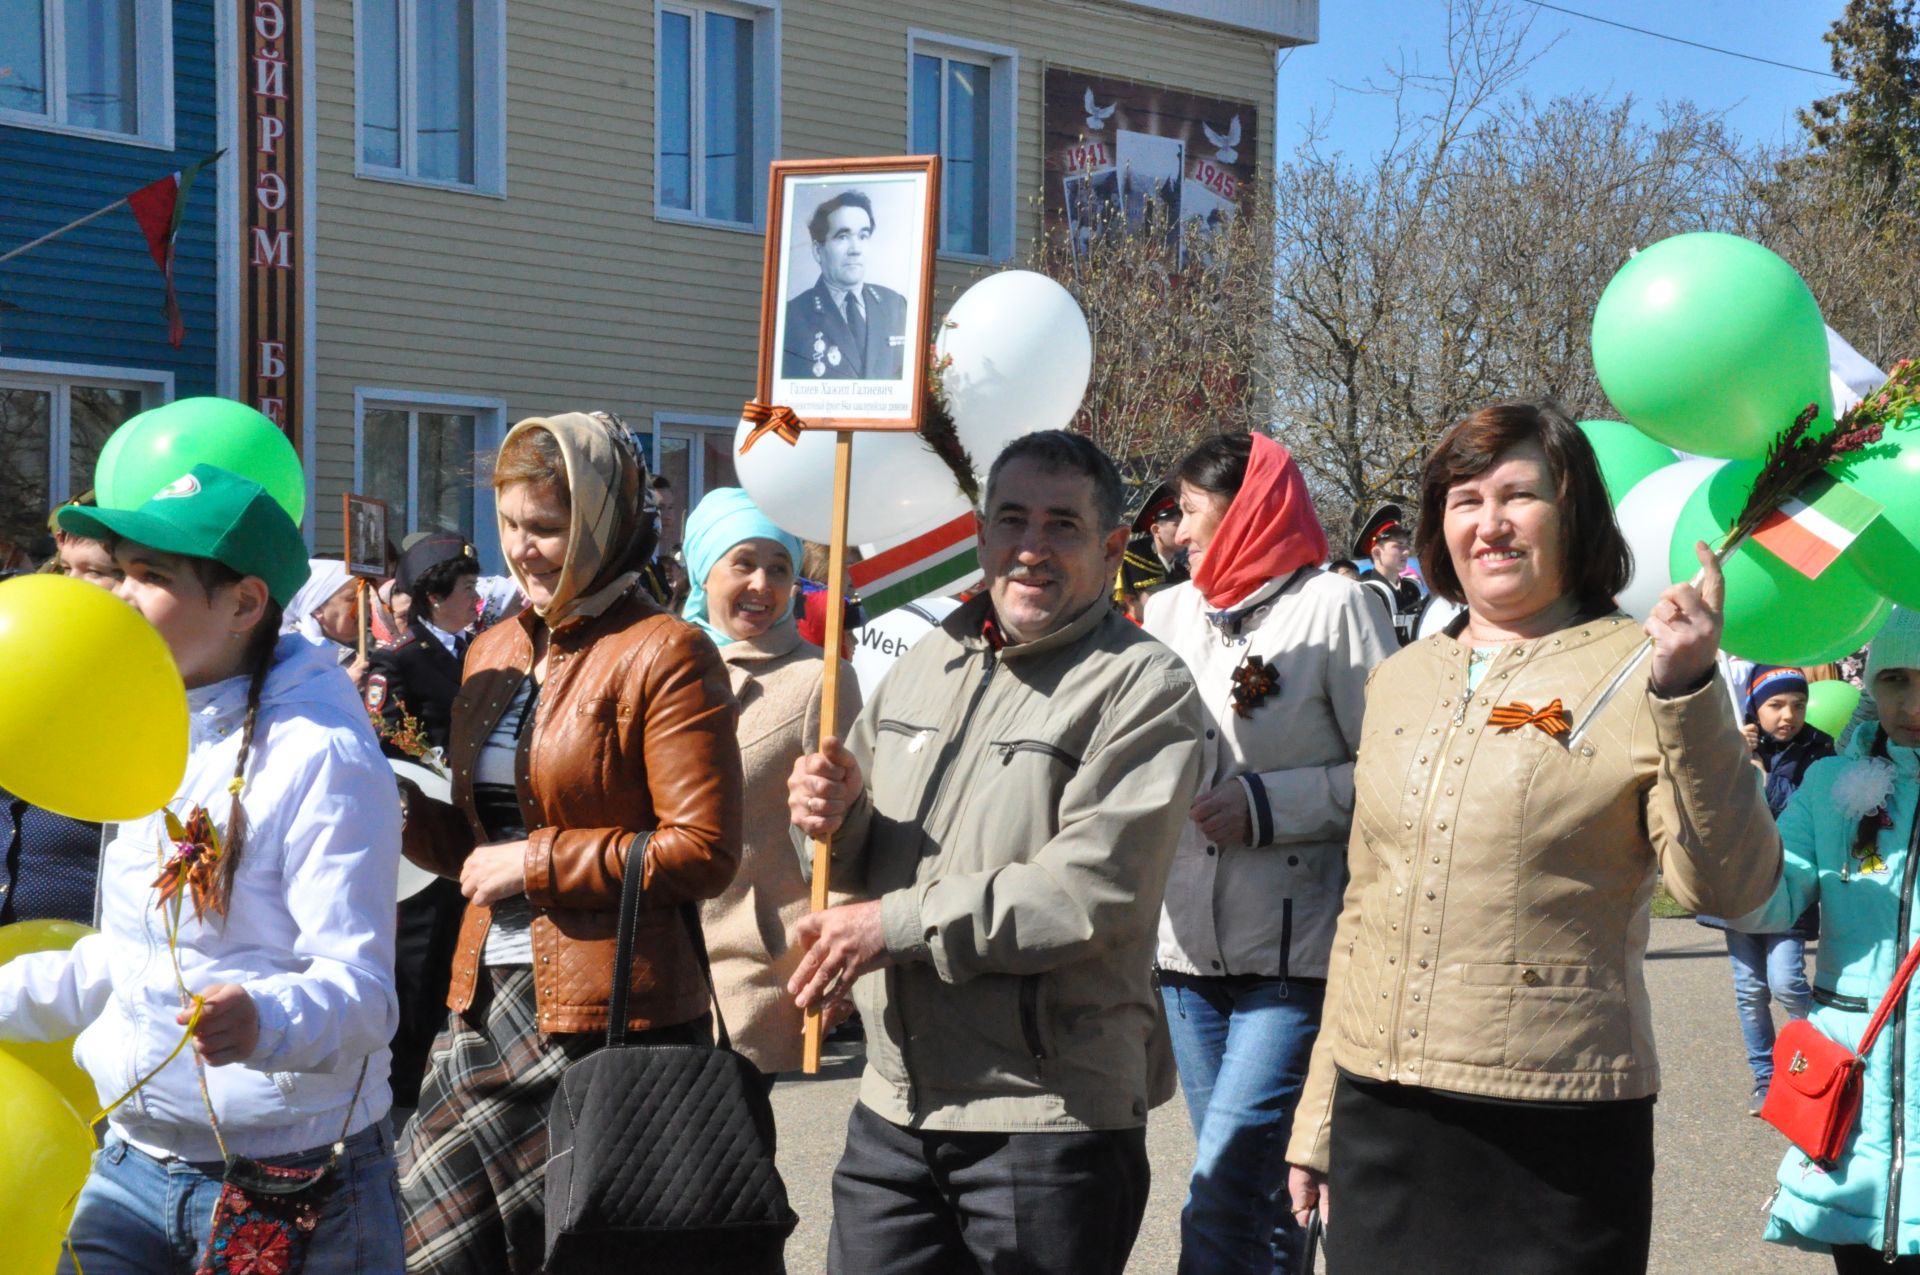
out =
column 940, row 561
column 158, row 207
column 1815, row 525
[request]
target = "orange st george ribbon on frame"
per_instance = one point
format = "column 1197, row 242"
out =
column 769, row 418
column 1510, row 717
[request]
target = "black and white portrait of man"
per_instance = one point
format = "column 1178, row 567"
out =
column 845, row 327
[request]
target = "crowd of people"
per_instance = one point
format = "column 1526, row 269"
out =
column 1171, row 803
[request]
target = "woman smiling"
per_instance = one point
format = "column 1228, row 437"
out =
column 1482, row 1088
column 742, row 570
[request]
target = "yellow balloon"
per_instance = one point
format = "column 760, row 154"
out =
column 48, row 1153
column 51, row 1060
column 94, row 721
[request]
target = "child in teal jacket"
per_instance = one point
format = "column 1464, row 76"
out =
column 1852, row 846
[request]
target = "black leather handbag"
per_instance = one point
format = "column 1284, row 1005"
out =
column 662, row 1153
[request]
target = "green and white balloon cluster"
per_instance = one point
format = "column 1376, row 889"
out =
column 1712, row 344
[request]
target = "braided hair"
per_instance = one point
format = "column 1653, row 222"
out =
column 1867, row 834
column 260, row 645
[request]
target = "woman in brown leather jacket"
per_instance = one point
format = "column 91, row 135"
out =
column 1481, row 1093
column 593, row 735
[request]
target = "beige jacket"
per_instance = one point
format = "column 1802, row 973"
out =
column 1021, row 808
column 1494, row 929
column 777, row 680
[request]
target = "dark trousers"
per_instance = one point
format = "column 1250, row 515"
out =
column 1859, row 1259
column 915, row 1202
column 1442, row 1184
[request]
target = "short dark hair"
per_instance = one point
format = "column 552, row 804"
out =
column 439, row 580
column 1062, row 450
column 817, row 224
column 1217, row 466
column 1597, row 562
column 660, row 482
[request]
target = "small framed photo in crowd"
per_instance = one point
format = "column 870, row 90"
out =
column 848, row 289
column 365, row 520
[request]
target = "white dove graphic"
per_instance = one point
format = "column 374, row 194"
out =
column 1097, row 115
column 1226, row 153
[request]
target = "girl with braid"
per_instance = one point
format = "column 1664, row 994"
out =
column 252, row 919
column 1852, row 846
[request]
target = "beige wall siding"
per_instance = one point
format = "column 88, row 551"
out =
column 569, row 292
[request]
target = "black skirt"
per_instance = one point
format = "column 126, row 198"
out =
column 1429, row 1183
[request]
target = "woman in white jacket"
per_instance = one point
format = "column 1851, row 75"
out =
column 284, row 939
column 1280, row 652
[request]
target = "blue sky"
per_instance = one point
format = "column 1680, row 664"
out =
column 1358, row 37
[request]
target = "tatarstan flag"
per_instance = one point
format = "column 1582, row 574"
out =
column 1815, row 525
column 158, row 207
column 939, row 561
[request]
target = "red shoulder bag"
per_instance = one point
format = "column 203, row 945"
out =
column 1815, row 1095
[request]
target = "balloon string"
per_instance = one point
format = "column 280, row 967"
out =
column 193, row 1021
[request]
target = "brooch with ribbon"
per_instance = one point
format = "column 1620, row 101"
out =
column 1511, row 717
column 1254, row 682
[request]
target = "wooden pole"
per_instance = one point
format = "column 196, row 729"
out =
column 95, row 215
column 360, row 601
column 822, row 849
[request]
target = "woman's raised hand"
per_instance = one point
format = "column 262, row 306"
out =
column 1685, row 627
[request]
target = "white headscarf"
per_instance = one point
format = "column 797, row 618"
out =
column 325, row 577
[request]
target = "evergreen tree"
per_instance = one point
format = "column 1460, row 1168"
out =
column 1871, row 129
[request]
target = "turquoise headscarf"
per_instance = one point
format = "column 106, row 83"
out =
column 724, row 517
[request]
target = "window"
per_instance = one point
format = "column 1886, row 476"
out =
column 962, row 110
column 695, row 454
column 716, row 95
column 88, row 66
column 431, row 79
column 54, row 420
column 421, row 454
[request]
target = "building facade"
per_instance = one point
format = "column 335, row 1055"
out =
column 97, row 99
column 442, row 216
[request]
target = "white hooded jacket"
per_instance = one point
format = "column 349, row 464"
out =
column 309, row 933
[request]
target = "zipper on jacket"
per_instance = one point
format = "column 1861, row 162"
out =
column 1030, row 1023
column 1890, row 1241
column 1420, row 843
column 1009, row 747
column 926, row 811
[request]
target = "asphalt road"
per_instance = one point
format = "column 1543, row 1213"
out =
column 1715, row 1164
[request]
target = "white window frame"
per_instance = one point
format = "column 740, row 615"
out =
column 692, row 427
column 58, row 380
column 489, row 103
column 766, row 106
column 153, row 78
column 489, row 429
column 1003, row 131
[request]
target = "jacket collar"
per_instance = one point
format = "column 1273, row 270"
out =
column 585, row 610
column 964, row 626
column 777, row 641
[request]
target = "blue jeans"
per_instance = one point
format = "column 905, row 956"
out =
column 1242, row 1046
column 141, row 1216
column 1766, row 967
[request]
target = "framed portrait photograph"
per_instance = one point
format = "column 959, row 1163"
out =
column 848, row 289
column 365, row 520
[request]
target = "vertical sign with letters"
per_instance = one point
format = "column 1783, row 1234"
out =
column 271, row 265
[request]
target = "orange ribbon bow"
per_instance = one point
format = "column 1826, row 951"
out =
column 769, row 418
column 1510, row 717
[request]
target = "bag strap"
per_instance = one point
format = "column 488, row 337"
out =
column 630, row 878
column 1885, row 1009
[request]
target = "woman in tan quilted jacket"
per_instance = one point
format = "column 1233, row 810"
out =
column 1481, row 1095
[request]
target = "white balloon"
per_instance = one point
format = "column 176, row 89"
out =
column 1647, row 516
column 1021, row 358
column 879, row 645
column 898, row 484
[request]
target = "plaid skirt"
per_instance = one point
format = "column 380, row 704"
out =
column 473, row 1160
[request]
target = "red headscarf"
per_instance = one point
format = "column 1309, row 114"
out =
column 1270, row 530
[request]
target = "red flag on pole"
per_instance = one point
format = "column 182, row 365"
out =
column 158, row 207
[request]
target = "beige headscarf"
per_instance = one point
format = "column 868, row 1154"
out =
column 606, row 484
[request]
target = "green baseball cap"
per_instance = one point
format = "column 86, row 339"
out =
column 209, row 512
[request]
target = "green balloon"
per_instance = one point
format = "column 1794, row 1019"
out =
column 1774, row 615
column 1712, row 344
column 1830, row 705
column 1887, row 554
column 157, row 446
column 1625, row 454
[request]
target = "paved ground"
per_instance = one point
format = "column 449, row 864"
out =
column 1715, row 1164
